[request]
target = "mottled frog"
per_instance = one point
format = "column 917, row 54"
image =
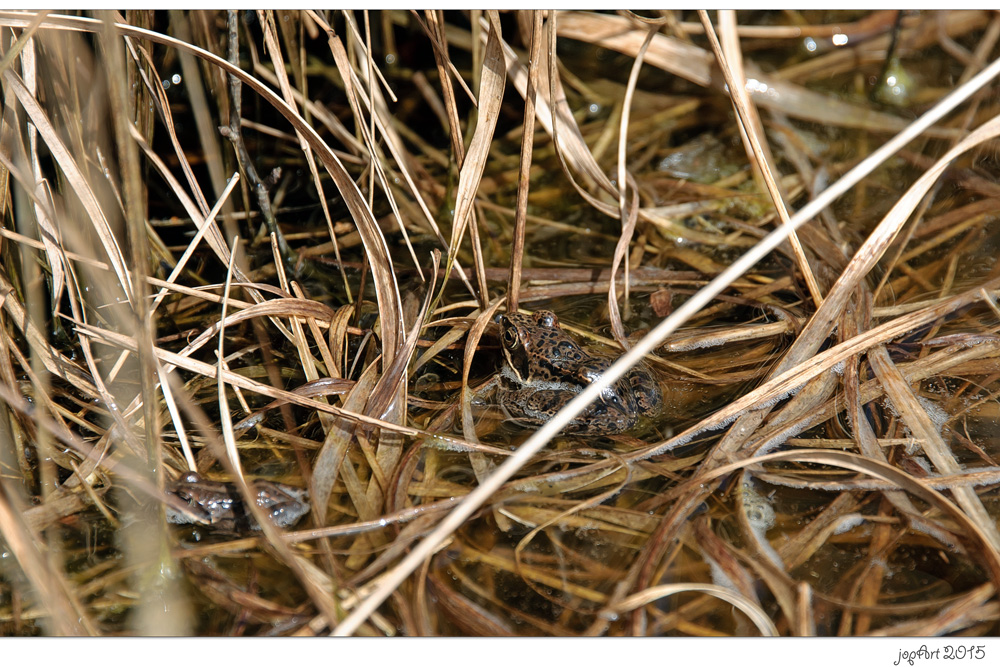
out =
column 545, row 369
column 219, row 504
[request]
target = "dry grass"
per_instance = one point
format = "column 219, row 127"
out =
column 272, row 245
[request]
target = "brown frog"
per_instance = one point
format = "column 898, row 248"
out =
column 219, row 504
column 546, row 369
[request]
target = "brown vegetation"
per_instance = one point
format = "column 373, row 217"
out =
column 271, row 245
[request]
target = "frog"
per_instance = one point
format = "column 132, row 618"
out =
column 544, row 369
column 219, row 504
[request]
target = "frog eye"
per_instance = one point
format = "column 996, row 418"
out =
column 612, row 399
column 546, row 318
column 509, row 338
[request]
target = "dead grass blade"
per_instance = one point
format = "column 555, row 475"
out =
column 331, row 456
column 55, row 362
column 154, row 85
column 358, row 98
column 877, row 243
column 43, row 200
column 482, row 466
column 271, row 44
column 752, row 131
column 927, row 30
column 863, row 432
column 570, row 144
column 920, row 423
column 392, row 385
column 434, row 28
column 383, row 121
column 471, row 172
column 977, row 606
column 557, row 119
column 620, row 34
column 208, row 223
column 67, row 615
column 523, row 180
column 211, row 232
column 227, row 424
column 627, row 214
column 748, row 607
column 75, row 178
column 23, row 40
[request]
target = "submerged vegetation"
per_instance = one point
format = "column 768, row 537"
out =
column 271, row 249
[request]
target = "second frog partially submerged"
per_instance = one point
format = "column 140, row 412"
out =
column 545, row 369
column 220, row 505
